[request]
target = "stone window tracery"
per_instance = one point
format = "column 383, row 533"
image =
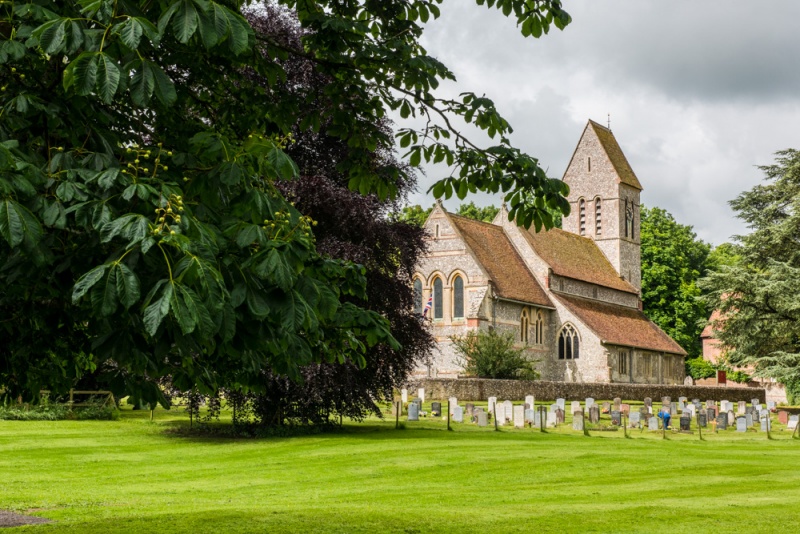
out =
column 524, row 321
column 539, row 329
column 458, row 297
column 568, row 343
column 438, row 305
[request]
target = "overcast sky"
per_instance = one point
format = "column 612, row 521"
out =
column 699, row 92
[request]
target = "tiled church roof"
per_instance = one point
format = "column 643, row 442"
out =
column 494, row 251
column 619, row 325
column 576, row 257
column 618, row 159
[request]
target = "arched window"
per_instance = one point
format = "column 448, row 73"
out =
column 417, row 296
column 438, row 306
column 458, row 297
column 524, row 322
column 539, row 329
column 598, row 219
column 568, row 343
column 582, row 216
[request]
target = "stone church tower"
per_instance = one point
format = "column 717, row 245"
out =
column 604, row 197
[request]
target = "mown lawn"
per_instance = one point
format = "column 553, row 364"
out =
column 133, row 476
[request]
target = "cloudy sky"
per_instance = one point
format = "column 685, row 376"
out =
column 699, row 92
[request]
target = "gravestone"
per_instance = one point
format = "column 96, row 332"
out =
column 741, row 424
column 723, row 406
column 643, row 412
column 766, row 422
column 681, row 407
column 500, row 408
column 748, row 419
column 750, row 410
column 594, row 414
column 554, row 407
column 652, row 424
column 783, row 417
column 551, row 419
column 589, row 401
column 509, row 409
column 758, row 407
column 740, row 407
column 635, row 418
column 492, row 402
column 476, row 412
column 436, row 409
column 617, row 402
column 616, row 417
column 458, row 414
column 530, row 416
column 606, row 407
column 688, row 381
column 404, row 395
column 413, row 412
column 625, row 408
column 731, row 418
column 530, row 401
column 711, row 414
column 421, row 394
column 702, row 420
column 648, row 401
column 697, row 403
column 418, row 402
column 519, row 416
column 537, row 417
column 772, row 406
column 683, row 400
column 793, row 422
column 711, row 404
column 527, row 406
column 453, row 402
column 673, row 408
column 686, row 423
column 755, row 401
column 666, row 401
column 470, row 409
column 561, row 403
column 577, row 421
column 722, row 421
column 482, row 418
column 575, row 406
column 559, row 416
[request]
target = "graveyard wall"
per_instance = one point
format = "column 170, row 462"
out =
column 480, row 389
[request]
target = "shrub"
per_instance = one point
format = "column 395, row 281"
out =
column 699, row 368
column 489, row 354
column 37, row 412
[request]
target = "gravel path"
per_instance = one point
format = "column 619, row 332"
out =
column 10, row 519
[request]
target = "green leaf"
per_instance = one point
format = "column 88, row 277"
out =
column 282, row 163
column 185, row 21
column 107, row 77
column 104, row 294
column 127, row 285
column 276, row 268
column 17, row 223
column 164, row 88
column 52, row 35
column 86, row 282
column 82, row 73
column 108, row 178
column 154, row 314
column 130, row 32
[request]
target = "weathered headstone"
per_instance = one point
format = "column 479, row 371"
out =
column 492, row 402
column 686, row 423
column 470, row 409
column 577, row 421
column 509, row 409
column 688, row 381
column 711, row 413
column 748, row 417
column 453, row 402
column 681, row 407
column 702, row 420
column 682, row 399
column 594, row 414
column 741, row 424
column 766, row 422
column 625, row 409
column 755, row 401
column 436, row 409
column 458, row 414
column 421, row 394
column 554, row 407
column 606, row 407
column 560, row 416
column 740, row 407
column 575, row 406
column 537, row 418
column 413, row 412
column 758, row 407
column 772, row 406
column 783, row 417
column 617, row 402
column 648, row 401
column 482, row 418
column 673, row 408
column 530, row 416
column 519, row 416
column 404, row 395
column 551, row 419
column 697, row 404
column 616, row 417
column 722, row 421
column 500, row 409
column 794, row 420
column 530, row 401
column 635, row 417
column 562, row 403
column 711, row 404
column 731, row 418
column 652, row 424
column 666, row 401
column 723, row 406
column 643, row 412
column 589, row 401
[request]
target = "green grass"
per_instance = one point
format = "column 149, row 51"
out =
column 133, row 476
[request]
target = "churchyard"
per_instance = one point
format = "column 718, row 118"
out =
column 137, row 475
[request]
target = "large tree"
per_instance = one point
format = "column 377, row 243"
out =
column 759, row 296
column 673, row 260
column 140, row 148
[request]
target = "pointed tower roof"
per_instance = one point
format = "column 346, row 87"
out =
column 614, row 152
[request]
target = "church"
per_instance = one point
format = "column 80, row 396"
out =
column 570, row 297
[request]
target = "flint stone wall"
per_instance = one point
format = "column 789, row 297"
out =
column 480, row 389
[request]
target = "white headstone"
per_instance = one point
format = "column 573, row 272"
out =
column 453, row 403
column 652, row 424
column 766, row 422
column 551, row 419
column 731, row 418
column 413, row 412
column 575, row 406
column 458, row 414
column 404, row 395
column 509, row 409
column 492, row 401
column 634, row 418
column 561, row 403
column 530, row 401
column 500, row 408
column 421, row 394
column 793, row 422
column 749, row 417
column 589, row 402
column 554, row 407
column 723, row 406
column 519, row 416
column 482, row 419
column 530, row 416
column 688, row 381
column 741, row 424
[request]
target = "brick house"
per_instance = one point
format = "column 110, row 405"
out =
column 571, row 297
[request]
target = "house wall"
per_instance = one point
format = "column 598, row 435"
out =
column 645, row 367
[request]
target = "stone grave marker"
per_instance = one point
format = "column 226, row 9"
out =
column 519, row 416
column 475, row 412
column 470, row 409
column 616, row 417
column 482, row 421
column 722, row 421
column 766, row 422
column 617, row 403
column 741, row 424
column 551, row 419
column 648, row 401
column 606, row 407
column 749, row 410
column 755, row 401
column 783, row 417
column 740, row 407
column 793, row 422
column 554, row 407
column 527, row 406
column 404, row 395
column 723, row 406
column 577, row 421
column 509, row 409
column 530, row 401
column 652, row 424
column 683, row 399
column 748, row 417
column 731, row 418
column 530, row 416
column 688, row 381
column 711, row 404
column 575, row 406
column 696, row 402
column 594, row 414
column 673, row 408
column 772, row 406
column 758, row 407
column 413, row 412
column 562, row 403
column 500, row 408
column 458, row 414
column 492, row 402
column 686, row 423
column 436, row 409
column 625, row 409
column 453, row 402
column 589, row 401
column 711, row 413
column 681, row 406
column 635, row 417
column 537, row 418
column 559, row 416
column 666, row 401
column 702, row 420
column 643, row 412
column 421, row 394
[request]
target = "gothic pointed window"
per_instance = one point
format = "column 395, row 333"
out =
column 598, row 220
column 582, row 216
column 417, row 296
column 438, row 305
column 524, row 321
column 539, row 329
column 458, row 297
column 568, row 343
